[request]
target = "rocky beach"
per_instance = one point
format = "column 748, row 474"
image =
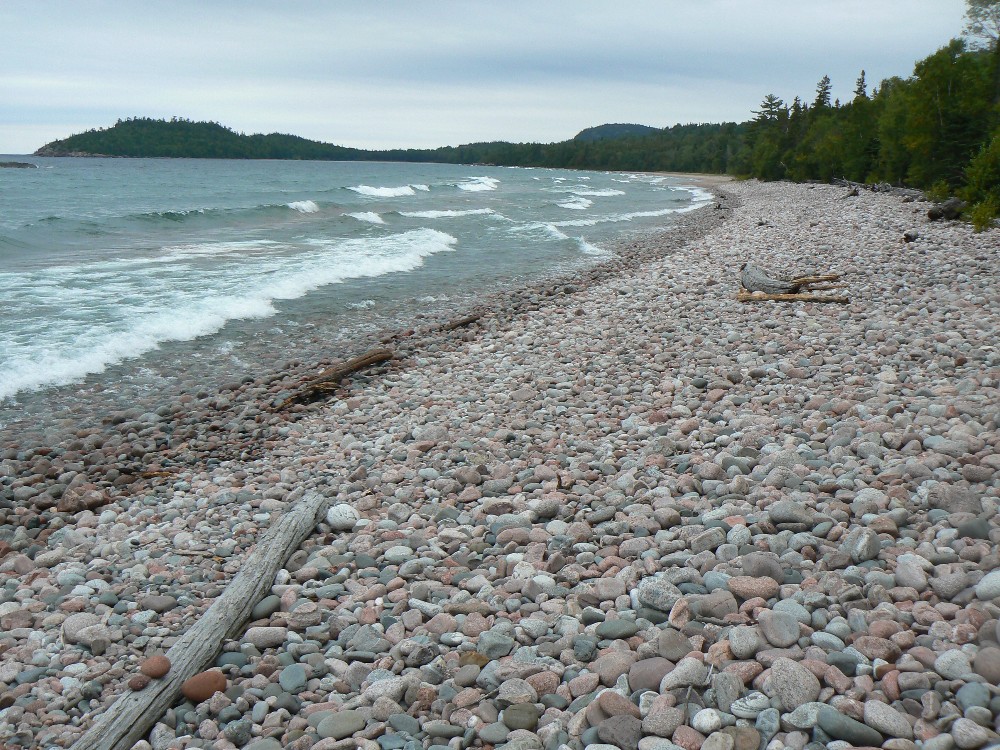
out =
column 620, row 511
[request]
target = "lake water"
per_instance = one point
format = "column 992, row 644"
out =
column 131, row 279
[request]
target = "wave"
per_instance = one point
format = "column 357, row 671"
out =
column 364, row 304
column 145, row 310
column 598, row 193
column 577, row 204
column 542, row 228
column 304, row 207
column 479, row 184
column 370, row 216
column 387, row 192
column 447, row 214
column 588, row 249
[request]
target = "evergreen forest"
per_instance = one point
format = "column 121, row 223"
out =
column 937, row 130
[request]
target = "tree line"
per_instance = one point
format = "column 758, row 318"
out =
column 938, row 130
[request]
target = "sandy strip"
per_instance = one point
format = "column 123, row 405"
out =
column 561, row 526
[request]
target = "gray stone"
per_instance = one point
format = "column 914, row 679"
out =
column 843, row 727
column 887, row 720
column 621, row 731
column 495, row 733
column 689, row 672
column 789, row 511
column 969, row 735
column 521, row 716
column 659, row 593
column 987, row 589
column 780, row 629
column 293, row 678
column 744, row 641
column 494, row 645
column 805, row 716
column 672, row 644
column 862, row 544
column 663, row 723
column 792, row 684
column 953, row 665
column 342, row 517
column 750, row 705
column 340, row 725
column 615, row 629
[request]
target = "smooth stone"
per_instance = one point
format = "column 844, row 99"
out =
column 988, row 587
column 342, row 517
column 204, row 685
column 493, row 734
column 744, row 641
column 622, row 731
column 340, row 725
column 968, row 734
column 266, row 607
column 987, row 664
column 521, row 716
column 617, row 629
column 779, row 628
column 843, row 727
column 750, row 705
column 973, row 694
column 887, row 720
column 293, row 678
column 792, row 684
column 953, row 665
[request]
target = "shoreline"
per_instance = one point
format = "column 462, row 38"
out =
column 625, row 476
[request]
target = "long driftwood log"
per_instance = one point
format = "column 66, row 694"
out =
column 745, row 296
column 130, row 717
column 329, row 379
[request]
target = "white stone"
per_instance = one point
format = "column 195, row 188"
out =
column 342, row 517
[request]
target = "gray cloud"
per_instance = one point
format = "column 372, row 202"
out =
column 403, row 73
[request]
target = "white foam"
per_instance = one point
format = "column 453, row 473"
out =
column 446, row 214
column 421, row 188
column 364, row 304
column 304, row 207
column 597, row 193
column 113, row 321
column 479, row 184
column 383, row 192
column 370, row 216
column 577, row 204
column 541, row 227
column 589, row 249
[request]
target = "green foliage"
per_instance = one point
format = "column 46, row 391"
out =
column 984, row 215
column 939, row 192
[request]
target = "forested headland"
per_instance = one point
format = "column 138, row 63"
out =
column 937, row 130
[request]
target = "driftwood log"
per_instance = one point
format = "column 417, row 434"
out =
column 130, row 717
column 745, row 296
column 451, row 325
column 758, row 285
column 329, row 379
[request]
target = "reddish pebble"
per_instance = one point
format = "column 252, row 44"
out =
column 138, row 682
column 155, row 666
column 203, row 686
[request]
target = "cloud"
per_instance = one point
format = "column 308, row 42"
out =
column 399, row 73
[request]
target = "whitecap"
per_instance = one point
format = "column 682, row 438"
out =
column 364, row 304
column 370, row 216
column 142, row 311
column 577, row 204
column 304, row 207
column 446, row 214
column 479, row 184
column 589, row 249
column 383, row 192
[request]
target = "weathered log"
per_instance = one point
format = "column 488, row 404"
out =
column 744, row 296
column 805, row 280
column 329, row 380
column 130, row 717
column 451, row 325
column 756, row 279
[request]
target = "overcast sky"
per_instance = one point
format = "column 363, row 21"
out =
column 424, row 73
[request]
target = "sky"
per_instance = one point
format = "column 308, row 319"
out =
column 426, row 73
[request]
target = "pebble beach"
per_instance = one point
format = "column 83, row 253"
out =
column 619, row 511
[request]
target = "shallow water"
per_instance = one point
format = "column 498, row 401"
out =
column 126, row 281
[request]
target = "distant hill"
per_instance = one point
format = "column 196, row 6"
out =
column 614, row 130
column 146, row 137
column 682, row 148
